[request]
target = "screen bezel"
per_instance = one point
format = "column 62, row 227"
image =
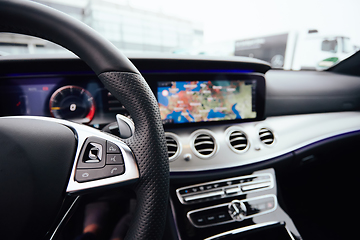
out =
column 153, row 80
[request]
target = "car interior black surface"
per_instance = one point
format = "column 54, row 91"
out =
column 286, row 172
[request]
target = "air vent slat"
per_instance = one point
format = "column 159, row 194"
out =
column 204, row 145
column 172, row 145
column 238, row 141
column 240, row 146
column 203, row 137
column 205, row 150
column 234, row 134
column 266, row 136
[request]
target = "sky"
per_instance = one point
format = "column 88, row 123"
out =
column 238, row 19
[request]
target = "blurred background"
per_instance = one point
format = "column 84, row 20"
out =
column 290, row 35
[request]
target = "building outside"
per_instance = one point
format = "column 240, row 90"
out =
column 128, row 28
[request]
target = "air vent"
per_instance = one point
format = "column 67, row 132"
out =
column 173, row 146
column 266, row 136
column 238, row 141
column 204, row 144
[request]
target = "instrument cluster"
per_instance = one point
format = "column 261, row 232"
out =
column 81, row 99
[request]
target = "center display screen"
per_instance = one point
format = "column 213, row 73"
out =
column 206, row 101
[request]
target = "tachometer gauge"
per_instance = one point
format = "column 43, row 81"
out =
column 72, row 103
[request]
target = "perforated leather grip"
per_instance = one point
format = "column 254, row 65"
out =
column 149, row 146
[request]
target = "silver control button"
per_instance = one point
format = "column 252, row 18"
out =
column 237, row 210
column 255, row 186
column 203, row 195
column 232, row 190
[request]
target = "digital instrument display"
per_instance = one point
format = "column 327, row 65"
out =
column 206, row 101
column 52, row 96
column 72, row 103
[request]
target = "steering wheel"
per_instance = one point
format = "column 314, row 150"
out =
column 44, row 160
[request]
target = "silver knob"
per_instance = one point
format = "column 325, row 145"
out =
column 237, row 210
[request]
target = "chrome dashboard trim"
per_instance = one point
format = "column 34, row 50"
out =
column 63, row 218
column 290, row 132
column 247, row 228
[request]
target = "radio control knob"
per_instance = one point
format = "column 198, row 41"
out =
column 237, row 210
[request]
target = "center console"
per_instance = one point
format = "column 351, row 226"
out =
column 232, row 208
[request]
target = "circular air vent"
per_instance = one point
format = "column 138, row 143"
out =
column 266, row 136
column 204, row 144
column 173, row 145
column 238, row 141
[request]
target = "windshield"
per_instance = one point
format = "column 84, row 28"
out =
column 289, row 35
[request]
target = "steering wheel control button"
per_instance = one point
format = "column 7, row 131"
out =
column 112, row 147
column 114, row 159
column 92, row 154
column 126, row 126
column 95, row 153
column 113, row 170
column 85, row 175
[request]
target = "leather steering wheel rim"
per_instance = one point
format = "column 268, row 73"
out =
column 125, row 82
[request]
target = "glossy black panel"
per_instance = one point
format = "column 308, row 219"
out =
column 289, row 92
column 35, row 166
column 211, row 216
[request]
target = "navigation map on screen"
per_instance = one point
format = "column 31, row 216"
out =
column 204, row 101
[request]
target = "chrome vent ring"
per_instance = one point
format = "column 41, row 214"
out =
column 173, row 146
column 204, row 144
column 238, row 141
column 266, row 136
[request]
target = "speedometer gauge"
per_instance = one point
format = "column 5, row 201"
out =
column 72, row 103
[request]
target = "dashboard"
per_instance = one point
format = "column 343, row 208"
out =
column 231, row 126
column 217, row 113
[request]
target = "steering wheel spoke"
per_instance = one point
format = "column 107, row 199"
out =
column 101, row 160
